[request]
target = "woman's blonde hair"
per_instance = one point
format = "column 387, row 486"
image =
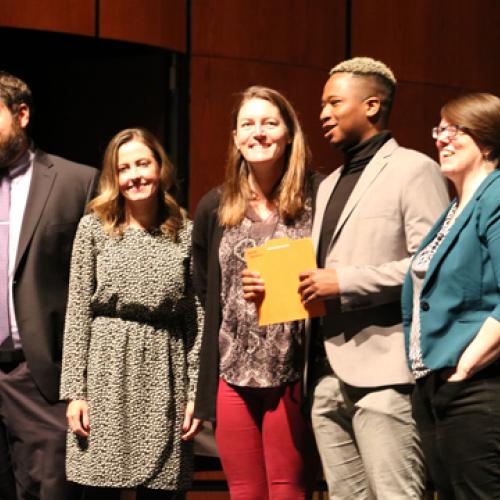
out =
column 291, row 192
column 108, row 205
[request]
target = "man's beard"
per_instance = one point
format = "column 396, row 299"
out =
column 12, row 146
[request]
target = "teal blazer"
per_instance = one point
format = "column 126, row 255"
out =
column 461, row 287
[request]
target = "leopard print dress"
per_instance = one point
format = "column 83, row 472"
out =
column 131, row 349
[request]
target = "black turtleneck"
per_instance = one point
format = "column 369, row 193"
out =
column 356, row 159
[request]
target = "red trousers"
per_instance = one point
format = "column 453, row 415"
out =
column 265, row 442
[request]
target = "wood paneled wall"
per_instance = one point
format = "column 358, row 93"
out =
column 69, row 16
column 285, row 44
column 161, row 23
column 437, row 49
column 158, row 23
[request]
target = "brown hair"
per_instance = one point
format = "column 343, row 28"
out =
column 479, row 113
column 109, row 203
column 290, row 194
column 14, row 92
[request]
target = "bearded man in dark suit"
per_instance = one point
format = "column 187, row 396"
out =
column 42, row 198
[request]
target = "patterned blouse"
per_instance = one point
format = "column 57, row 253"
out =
column 250, row 355
column 419, row 268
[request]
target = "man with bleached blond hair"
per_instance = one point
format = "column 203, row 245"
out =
column 371, row 215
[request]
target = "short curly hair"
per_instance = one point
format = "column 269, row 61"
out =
column 380, row 74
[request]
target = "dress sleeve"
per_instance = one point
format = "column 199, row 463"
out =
column 193, row 329
column 78, row 322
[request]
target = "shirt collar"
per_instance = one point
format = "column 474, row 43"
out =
column 21, row 165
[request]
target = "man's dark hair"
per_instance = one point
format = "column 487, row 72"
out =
column 14, row 92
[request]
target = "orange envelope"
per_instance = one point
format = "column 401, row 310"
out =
column 279, row 262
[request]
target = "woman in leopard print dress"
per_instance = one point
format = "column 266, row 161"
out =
column 131, row 342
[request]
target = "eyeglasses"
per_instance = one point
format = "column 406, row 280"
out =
column 451, row 131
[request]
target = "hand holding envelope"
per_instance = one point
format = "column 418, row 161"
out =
column 279, row 262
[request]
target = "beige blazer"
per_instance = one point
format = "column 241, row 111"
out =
column 397, row 199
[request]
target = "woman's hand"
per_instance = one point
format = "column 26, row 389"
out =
column 78, row 417
column 455, row 375
column 191, row 426
column 253, row 286
column 481, row 352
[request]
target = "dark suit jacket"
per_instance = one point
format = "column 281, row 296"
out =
column 58, row 194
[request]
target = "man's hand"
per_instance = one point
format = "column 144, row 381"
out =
column 318, row 284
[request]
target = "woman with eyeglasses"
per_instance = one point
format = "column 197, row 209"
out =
column 451, row 309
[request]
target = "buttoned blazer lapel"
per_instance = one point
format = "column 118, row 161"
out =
column 370, row 173
column 454, row 232
column 42, row 180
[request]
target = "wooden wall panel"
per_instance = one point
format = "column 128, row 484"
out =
column 285, row 44
column 437, row 50
column 292, row 31
column 69, row 16
column 416, row 111
column 161, row 23
column 214, row 83
column 446, row 42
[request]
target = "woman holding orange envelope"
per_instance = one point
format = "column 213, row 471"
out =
column 250, row 375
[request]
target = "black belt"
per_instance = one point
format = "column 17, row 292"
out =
column 11, row 356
